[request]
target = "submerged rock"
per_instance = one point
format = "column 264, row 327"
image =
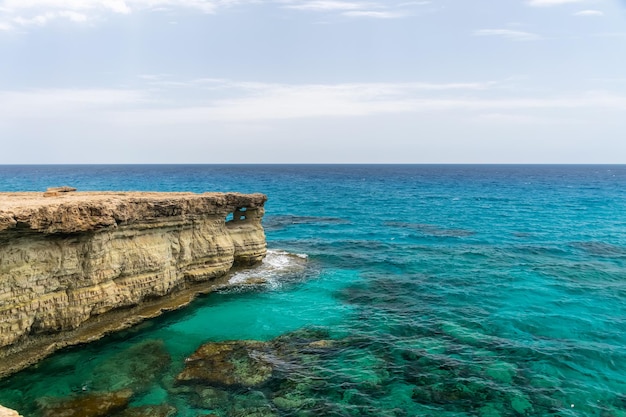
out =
column 241, row 363
column 251, row 404
column 502, row 372
column 210, row 398
column 298, row 346
column 293, row 401
column 163, row 410
column 254, row 378
column 253, row 412
column 489, row 410
column 521, row 405
column 89, row 405
column 134, row 368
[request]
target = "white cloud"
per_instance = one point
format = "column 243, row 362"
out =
column 42, row 6
column 324, row 6
column 375, row 14
column 589, row 13
column 39, row 20
column 23, row 13
column 49, row 103
column 515, row 35
column 245, row 101
column 42, row 19
column 506, row 118
column 164, row 82
column 154, row 124
column 369, row 9
column 20, row 13
column 548, row 3
column 73, row 16
column 414, row 3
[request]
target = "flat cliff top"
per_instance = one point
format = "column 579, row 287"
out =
column 34, row 200
column 63, row 210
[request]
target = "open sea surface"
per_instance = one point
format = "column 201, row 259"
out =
column 399, row 290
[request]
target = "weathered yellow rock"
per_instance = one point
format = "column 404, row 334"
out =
column 66, row 259
column 7, row 412
column 55, row 191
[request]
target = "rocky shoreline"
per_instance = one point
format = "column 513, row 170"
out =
column 75, row 266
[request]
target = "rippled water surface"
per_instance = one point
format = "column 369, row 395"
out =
column 388, row 291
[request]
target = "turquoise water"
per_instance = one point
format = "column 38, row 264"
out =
column 442, row 291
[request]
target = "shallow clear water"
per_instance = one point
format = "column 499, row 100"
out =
column 447, row 290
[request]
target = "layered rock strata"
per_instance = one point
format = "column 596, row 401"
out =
column 72, row 259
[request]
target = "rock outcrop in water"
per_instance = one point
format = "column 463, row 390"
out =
column 76, row 265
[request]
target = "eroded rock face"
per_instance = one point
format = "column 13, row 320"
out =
column 67, row 258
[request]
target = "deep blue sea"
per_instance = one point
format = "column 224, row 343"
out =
column 427, row 291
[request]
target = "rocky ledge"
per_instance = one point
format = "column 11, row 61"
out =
column 77, row 265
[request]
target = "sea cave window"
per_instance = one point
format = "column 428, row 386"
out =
column 238, row 215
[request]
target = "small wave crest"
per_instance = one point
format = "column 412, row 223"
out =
column 272, row 271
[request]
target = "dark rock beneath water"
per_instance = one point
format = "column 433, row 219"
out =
column 521, row 404
column 293, row 401
column 210, row 398
column 431, row 229
column 163, row 410
column 134, row 368
column 241, row 363
column 296, row 347
column 454, row 394
column 251, row 404
column 236, row 377
column 89, row 405
column 253, row 412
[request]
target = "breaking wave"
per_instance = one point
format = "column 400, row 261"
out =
column 277, row 267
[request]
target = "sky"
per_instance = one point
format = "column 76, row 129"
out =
column 312, row 81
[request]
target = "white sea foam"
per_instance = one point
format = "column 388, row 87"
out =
column 276, row 266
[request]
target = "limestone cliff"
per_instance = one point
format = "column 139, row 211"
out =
column 70, row 258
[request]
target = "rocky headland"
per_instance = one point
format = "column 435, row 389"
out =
column 75, row 266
